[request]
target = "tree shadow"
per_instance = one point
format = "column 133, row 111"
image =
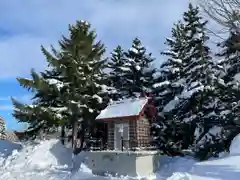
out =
column 170, row 166
column 7, row 147
column 184, row 170
column 223, row 172
column 62, row 154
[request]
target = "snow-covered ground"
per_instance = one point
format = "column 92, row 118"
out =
column 49, row 160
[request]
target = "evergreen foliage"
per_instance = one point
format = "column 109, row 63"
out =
column 229, row 59
column 191, row 80
column 199, row 76
column 131, row 71
column 138, row 70
column 166, row 89
column 168, row 83
column 196, row 96
column 115, row 77
column 38, row 115
column 73, row 91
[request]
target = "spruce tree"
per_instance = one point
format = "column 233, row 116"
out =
column 81, row 65
column 168, row 82
column 230, row 56
column 166, row 89
column 115, row 77
column 187, row 115
column 131, row 71
column 229, row 59
column 78, row 68
column 137, row 70
column 222, row 111
column 38, row 115
column 201, row 105
column 195, row 71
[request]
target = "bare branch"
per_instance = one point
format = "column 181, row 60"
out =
column 224, row 12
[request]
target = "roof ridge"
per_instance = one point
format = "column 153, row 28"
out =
column 133, row 98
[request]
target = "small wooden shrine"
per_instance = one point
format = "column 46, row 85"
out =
column 128, row 123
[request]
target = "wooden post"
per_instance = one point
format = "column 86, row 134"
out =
column 122, row 143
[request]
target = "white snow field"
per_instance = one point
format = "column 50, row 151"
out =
column 49, row 160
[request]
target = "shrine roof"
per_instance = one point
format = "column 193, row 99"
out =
column 123, row 108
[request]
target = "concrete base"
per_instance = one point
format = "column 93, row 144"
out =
column 116, row 163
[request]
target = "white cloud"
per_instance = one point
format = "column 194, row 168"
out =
column 32, row 23
column 4, row 98
column 20, row 54
column 5, row 102
column 6, row 107
column 23, row 99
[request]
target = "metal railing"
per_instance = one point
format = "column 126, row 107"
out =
column 95, row 145
column 136, row 145
column 126, row 145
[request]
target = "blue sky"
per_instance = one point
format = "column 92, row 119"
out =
column 25, row 25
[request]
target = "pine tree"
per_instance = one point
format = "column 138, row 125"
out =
column 116, row 72
column 230, row 56
column 82, row 66
column 131, row 72
column 195, row 71
column 201, row 104
column 187, row 115
column 74, row 86
column 225, row 109
column 168, row 82
column 137, row 70
column 40, row 116
column 230, row 61
column 168, row 85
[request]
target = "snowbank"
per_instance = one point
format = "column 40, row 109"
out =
column 38, row 160
column 50, row 160
column 227, row 167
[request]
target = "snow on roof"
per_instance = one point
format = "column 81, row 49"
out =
column 126, row 107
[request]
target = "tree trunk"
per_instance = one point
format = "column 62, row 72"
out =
column 63, row 134
column 74, row 135
column 79, row 137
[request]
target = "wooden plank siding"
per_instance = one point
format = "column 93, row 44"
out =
column 139, row 132
column 143, row 131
